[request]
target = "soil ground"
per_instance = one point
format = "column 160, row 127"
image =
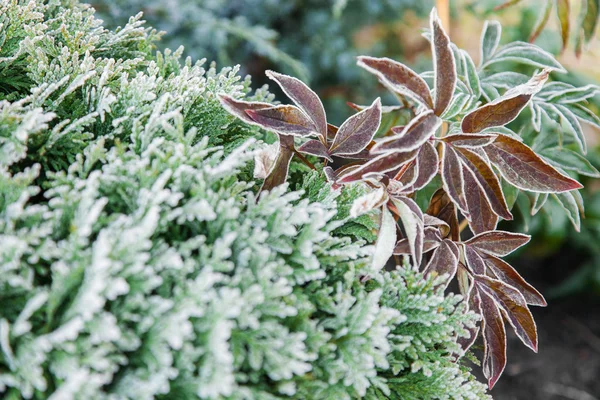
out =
column 568, row 363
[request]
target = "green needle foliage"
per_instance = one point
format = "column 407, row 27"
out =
column 137, row 260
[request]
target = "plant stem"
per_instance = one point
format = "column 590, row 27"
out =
column 304, row 160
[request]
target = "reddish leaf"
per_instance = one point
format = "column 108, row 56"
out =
column 305, row 99
column 284, row 119
column 412, row 221
column 398, row 78
column 505, row 108
column 494, row 339
column 487, row 180
column 474, row 260
column 431, row 240
column 474, row 303
column 452, row 177
column 444, row 260
column 562, row 9
column 542, row 21
column 506, row 273
column 442, row 226
column 412, row 136
column 442, row 207
column 444, row 64
column 315, row 148
column 381, row 164
column 513, row 306
column 278, row 174
column 425, row 167
column 357, row 131
column 470, row 140
column 524, row 169
column 239, row 107
column 479, row 212
column 331, row 132
column 498, row 243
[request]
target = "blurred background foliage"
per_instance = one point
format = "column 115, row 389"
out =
column 318, row 41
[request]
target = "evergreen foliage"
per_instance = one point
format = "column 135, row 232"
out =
column 138, row 262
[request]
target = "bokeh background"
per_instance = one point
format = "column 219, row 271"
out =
column 318, row 40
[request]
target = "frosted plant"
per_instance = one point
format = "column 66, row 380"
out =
column 138, row 259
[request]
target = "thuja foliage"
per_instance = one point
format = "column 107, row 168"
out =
column 138, row 259
column 457, row 142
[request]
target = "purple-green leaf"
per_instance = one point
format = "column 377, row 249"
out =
column 480, row 215
column 278, row 174
column 494, row 339
column 505, row 108
column 498, row 243
column 304, row 98
column 239, row 107
column 398, row 78
column 412, row 136
column 444, row 261
column 380, row 164
column 444, row 64
column 284, row 119
column 315, row 148
column 469, row 140
column 522, row 168
column 357, row 131
column 513, row 306
column 452, row 177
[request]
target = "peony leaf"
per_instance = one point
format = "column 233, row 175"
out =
column 315, row 148
column 239, row 107
column 498, row 243
column 524, row 169
column 412, row 136
column 494, row 339
column 526, row 54
column 506, row 273
column 480, row 215
column 284, row 119
column 569, row 204
column 386, row 240
column 380, row 164
column 304, row 98
column 504, row 109
column 490, row 39
column 444, row 64
column 370, row 201
column 278, row 174
column 470, row 140
column 412, row 222
column 513, row 306
column 443, row 208
column 474, row 260
column 357, row 131
column 444, row 261
column 542, row 21
column 425, row 167
column 568, row 159
column 452, row 177
column 487, row 180
column 398, row 78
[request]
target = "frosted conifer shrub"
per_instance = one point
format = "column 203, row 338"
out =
column 137, row 260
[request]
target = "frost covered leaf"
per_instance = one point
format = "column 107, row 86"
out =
column 304, row 98
column 506, row 108
column 505, row 272
column 524, row 169
column 513, row 306
column 444, row 64
column 452, row 177
column 526, row 54
column 490, row 39
column 370, row 201
column 494, row 339
column 568, row 159
column 412, row 221
column 498, row 243
column 442, row 207
column 471, row 140
column 542, row 21
column 487, row 181
column 239, row 107
column 444, row 260
column 357, row 131
column 386, row 240
column 316, row 148
column 480, row 215
column 379, row 165
column 410, row 137
column 278, row 174
column 398, row 78
column 264, row 160
column 284, row 119
column 425, row 168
